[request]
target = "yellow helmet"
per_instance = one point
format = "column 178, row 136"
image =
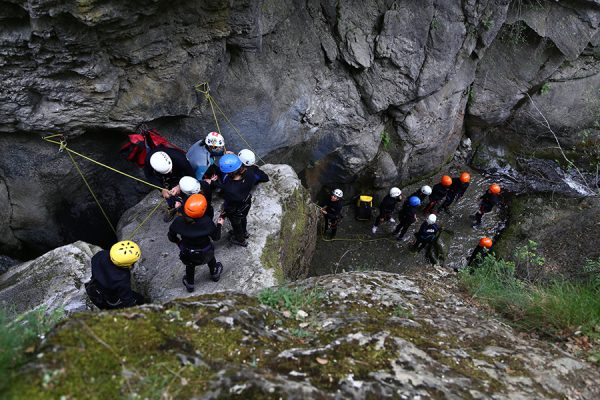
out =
column 125, row 253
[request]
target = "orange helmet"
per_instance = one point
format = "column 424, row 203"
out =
column 495, row 188
column 465, row 177
column 485, row 242
column 195, row 206
column 446, row 181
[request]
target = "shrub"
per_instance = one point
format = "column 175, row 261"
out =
column 289, row 299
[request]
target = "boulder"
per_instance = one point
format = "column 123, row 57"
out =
column 282, row 225
column 53, row 281
column 350, row 336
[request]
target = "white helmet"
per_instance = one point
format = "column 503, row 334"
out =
column 161, row 162
column 431, row 218
column 189, row 185
column 395, row 192
column 426, row 190
column 214, row 139
column 247, row 157
column 338, row 193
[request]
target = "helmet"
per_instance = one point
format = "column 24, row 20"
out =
column 247, row 157
column 189, row 185
column 214, row 139
column 431, row 218
column 125, row 253
column 161, row 162
column 414, row 201
column 465, row 177
column 426, row 190
column 485, row 242
column 495, row 188
column 446, row 181
column 195, row 206
column 338, row 193
column 395, row 192
column 229, row 163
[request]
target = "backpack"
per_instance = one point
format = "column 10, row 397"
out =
column 138, row 145
column 364, row 205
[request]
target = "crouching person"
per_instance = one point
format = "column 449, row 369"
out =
column 193, row 232
column 110, row 286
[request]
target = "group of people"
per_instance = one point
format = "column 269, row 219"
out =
column 432, row 200
column 188, row 181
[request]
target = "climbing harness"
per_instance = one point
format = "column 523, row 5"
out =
column 204, row 88
column 62, row 143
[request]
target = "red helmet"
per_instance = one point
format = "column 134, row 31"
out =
column 485, row 242
column 446, row 181
column 495, row 188
column 465, row 177
column 195, row 206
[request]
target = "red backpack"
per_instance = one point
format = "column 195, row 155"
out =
column 136, row 149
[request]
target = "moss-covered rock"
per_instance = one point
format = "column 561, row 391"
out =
column 359, row 335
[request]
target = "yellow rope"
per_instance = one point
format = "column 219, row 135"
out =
column 144, row 221
column 204, row 88
column 92, row 192
column 64, row 146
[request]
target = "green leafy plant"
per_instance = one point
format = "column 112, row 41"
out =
column 402, row 312
column 545, row 88
column 290, row 299
column 385, row 140
column 19, row 333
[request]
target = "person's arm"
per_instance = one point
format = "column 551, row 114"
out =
column 172, row 235
column 260, row 176
column 216, row 235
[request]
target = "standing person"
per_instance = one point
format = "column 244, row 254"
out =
column 407, row 216
column 164, row 167
column 190, row 185
column 489, row 200
column 193, row 232
column 236, row 188
column 387, row 207
column 426, row 234
column 248, row 158
column 422, row 193
column 204, row 155
column 456, row 191
column 483, row 249
column 438, row 193
column 332, row 210
column 110, row 286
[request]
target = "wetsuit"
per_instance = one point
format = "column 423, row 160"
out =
column 438, row 193
column 406, row 217
column 333, row 216
column 259, row 174
column 386, row 209
column 487, row 204
column 455, row 192
column 238, row 201
column 193, row 236
column 110, row 286
column 181, row 168
column 206, row 190
column 425, row 236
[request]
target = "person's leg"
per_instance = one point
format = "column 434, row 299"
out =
column 190, row 271
column 334, row 225
column 139, row 299
column 238, row 230
column 215, row 268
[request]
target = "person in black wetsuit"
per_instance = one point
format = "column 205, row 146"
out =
column 483, row 249
column 438, row 193
column 407, row 216
column 421, row 193
column 387, row 208
column 456, row 191
column 488, row 201
column 164, row 167
column 110, row 286
column 193, row 232
column 426, row 234
column 190, row 185
column 248, row 158
column 236, row 191
column 332, row 211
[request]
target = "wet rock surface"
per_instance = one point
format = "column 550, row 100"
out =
column 362, row 335
column 282, row 227
column 53, row 281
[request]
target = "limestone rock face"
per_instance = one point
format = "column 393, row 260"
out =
column 53, row 281
column 282, row 225
column 351, row 336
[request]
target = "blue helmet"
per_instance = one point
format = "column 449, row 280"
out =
column 414, row 201
column 229, row 163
